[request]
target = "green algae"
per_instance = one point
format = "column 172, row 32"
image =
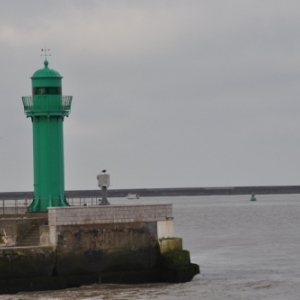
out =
column 174, row 260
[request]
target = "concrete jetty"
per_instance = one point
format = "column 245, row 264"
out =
column 161, row 192
column 91, row 244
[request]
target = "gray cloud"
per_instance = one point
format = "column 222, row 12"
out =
column 166, row 93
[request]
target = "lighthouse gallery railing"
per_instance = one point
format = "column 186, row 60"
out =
column 47, row 103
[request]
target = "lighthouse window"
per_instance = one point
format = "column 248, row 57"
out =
column 41, row 91
column 53, row 90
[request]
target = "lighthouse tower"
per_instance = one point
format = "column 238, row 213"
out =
column 47, row 109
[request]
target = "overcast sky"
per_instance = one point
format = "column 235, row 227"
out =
column 165, row 93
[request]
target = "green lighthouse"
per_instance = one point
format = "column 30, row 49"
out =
column 47, row 109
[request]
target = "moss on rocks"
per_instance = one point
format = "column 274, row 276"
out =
column 170, row 244
column 174, row 260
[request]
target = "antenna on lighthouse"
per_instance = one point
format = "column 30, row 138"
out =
column 45, row 52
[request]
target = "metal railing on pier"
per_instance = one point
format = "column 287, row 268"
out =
column 19, row 206
column 89, row 197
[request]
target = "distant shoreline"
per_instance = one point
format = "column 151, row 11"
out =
column 159, row 192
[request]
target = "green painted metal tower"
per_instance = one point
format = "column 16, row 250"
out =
column 47, row 109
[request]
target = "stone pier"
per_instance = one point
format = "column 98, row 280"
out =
column 94, row 244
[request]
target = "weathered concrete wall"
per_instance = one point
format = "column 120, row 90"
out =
column 26, row 262
column 161, row 215
column 45, row 235
column 99, row 214
column 87, row 249
column 93, row 239
column 12, row 229
column 106, row 236
column 165, row 229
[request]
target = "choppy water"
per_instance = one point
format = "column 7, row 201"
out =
column 246, row 250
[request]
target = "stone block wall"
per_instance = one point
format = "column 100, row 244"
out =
column 100, row 214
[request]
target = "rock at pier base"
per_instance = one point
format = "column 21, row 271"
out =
column 181, row 274
column 29, row 284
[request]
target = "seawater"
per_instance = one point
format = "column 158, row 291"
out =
column 246, row 250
